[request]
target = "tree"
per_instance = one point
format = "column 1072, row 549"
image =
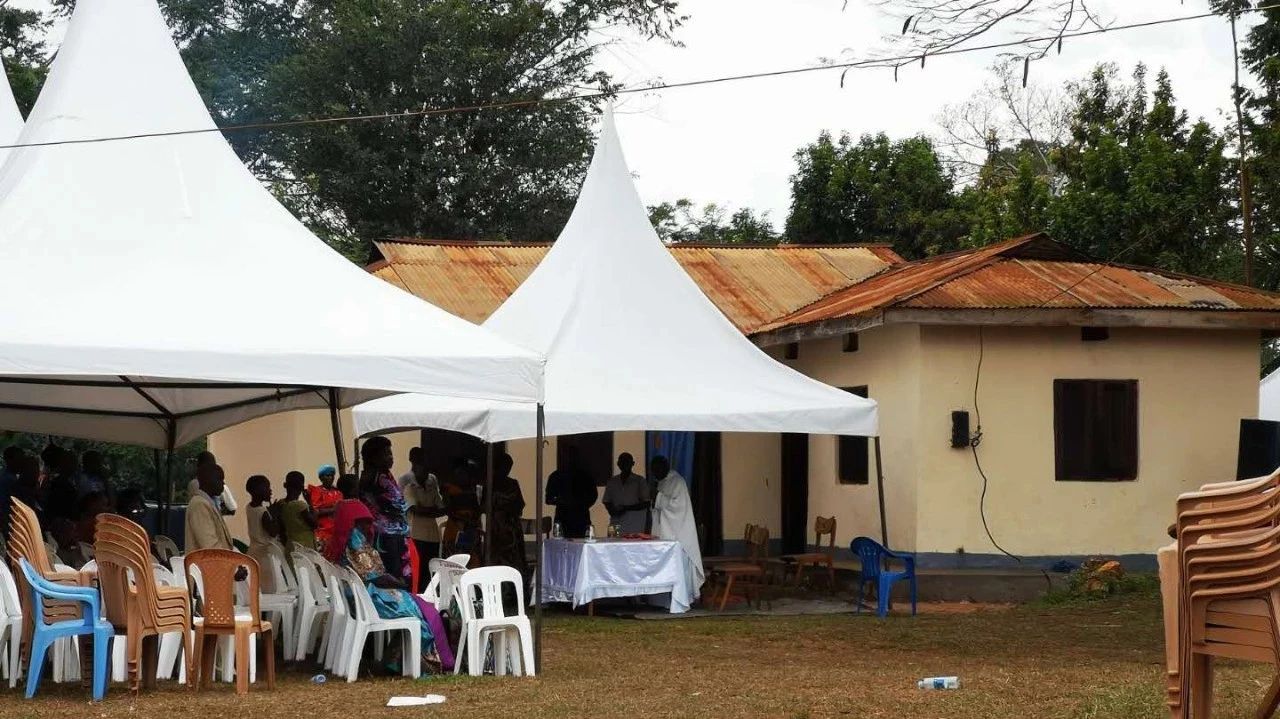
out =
column 874, row 190
column 680, row 221
column 1261, row 56
column 1142, row 183
column 931, row 26
column 24, row 52
column 511, row 173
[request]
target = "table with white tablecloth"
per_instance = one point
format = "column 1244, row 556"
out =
column 579, row 572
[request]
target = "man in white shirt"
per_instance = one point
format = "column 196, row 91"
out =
column 417, row 467
column 626, row 496
column 673, row 515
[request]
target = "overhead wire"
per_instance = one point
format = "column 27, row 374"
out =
column 867, row 63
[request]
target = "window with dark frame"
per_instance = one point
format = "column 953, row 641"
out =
column 851, row 452
column 1095, row 430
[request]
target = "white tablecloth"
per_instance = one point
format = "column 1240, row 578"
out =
column 580, row 572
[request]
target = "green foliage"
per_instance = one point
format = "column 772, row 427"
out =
column 1261, row 56
column 24, row 52
column 127, row 466
column 1099, row 579
column 874, row 190
column 1001, row 205
column 506, row 174
column 680, row 221
column 1141, row 182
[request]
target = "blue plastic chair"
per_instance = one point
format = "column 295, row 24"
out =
column 873, row 556
column 44, row 634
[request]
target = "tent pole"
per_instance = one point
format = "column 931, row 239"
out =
column 355, row 455
column 537, row 533
column 170, row 440
column 337, row 430
column 884, row 526
column 488, row 505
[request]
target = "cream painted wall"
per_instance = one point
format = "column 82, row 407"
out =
column 888, row 362
column 274, row 445
column 751, row 476
column 1193, row 389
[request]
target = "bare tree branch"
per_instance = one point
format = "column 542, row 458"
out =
column 932, row 26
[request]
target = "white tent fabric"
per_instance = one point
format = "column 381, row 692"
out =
column 631, row 342
column 10, row 116
column 1269, row 397
column 156, row 291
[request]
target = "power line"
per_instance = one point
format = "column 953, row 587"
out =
column 880, row 62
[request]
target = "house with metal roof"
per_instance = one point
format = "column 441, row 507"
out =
column 1034, row 402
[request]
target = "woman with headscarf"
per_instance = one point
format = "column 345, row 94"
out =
column 354, row 531
column 324, row 498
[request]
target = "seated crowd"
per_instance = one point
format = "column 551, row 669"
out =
column 366, row 523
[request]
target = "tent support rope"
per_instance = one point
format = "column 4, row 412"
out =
column 336, row 424
column 884, row 526
column 537, row 585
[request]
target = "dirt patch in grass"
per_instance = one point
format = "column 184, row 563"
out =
column 1074, row 661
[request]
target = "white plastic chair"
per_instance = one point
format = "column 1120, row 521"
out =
column 10, row 626
column 493, row 623
column 448, row 573
column 366, row 622
column 313, row 604
column 339, row 614
column 431, row 593
column 165, row 548
column 281, row 603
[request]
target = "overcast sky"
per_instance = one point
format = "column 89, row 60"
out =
column 733, row 143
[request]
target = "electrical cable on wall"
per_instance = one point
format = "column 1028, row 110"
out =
column 976, row 438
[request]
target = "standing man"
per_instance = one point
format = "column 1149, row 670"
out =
column 426, row 505
column 673, row 515
column 571, row 490
column 225, row 502
column 205, row 528
column 417, row 466
column 626, row 496
column 93, row 478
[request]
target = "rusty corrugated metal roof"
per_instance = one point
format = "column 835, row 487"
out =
column 1026, row 273
column 752, row 285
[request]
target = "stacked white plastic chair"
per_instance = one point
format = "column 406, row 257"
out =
column 511, row 635
column 165, row 548
column 340, row 613
column 10, row 626
column 282, row 601
column 313, row 604
column 365, row 622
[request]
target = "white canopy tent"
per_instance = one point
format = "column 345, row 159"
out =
column 1269, row 397
column 158, row 292
column 631, row 343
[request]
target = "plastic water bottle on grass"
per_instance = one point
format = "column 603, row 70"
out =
column 939, row 683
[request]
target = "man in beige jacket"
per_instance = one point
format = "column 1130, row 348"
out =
column 205, row 528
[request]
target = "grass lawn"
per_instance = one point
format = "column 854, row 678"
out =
column 1077, row 661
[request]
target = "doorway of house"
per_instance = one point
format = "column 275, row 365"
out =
column 795, row 492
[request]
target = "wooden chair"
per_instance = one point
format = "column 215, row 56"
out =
column 748, row 572
column 26, row 543
column 1209, row 527
column 134, row 602
column 221, row 617
column 825, row 556
column 747, row 533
